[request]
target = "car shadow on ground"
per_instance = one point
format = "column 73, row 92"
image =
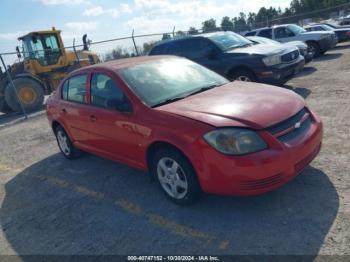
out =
column 342, row 47
column 328, row 56
column 302, row 91
column 96, row 206
column 308, row 70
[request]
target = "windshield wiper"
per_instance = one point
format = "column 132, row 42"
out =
column 174, row 99
column 238, row 46
column 169, row 100
column 202, row 89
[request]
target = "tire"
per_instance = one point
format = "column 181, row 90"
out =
column 65, row 144
column 4, row 107
column 243, row 75
column 180, row 185
column 314, row 48
column 31, row 94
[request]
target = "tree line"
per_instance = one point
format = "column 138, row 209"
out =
column 244, row 22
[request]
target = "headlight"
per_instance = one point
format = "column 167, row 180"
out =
column 235, row 141
column 272, row 60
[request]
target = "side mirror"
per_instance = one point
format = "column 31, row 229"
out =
column 34, row 39
column 85, row 43
column 18, row 52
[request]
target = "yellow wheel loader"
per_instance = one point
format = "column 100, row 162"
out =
column 45, row 63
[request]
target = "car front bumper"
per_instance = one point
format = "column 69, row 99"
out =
column 280, row 74
column 260, row 172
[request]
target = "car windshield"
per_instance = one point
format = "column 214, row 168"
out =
column 296, row 29
column 331, row 26
column 168, row 80
column 229, row 40
column 327, row 27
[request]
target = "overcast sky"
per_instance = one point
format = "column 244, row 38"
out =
column 104, row 19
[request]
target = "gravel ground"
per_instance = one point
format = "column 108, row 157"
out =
column 50, row 205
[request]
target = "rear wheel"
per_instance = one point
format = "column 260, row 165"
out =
column 243, row 75
column 30, row 93
column 65, row 144
column 176, row 176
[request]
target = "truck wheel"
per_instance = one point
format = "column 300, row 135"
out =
column 4, row 107
column 314, row 49
column 30, row 92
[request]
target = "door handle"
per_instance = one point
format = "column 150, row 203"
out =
column 63, row 110
column 93, row 118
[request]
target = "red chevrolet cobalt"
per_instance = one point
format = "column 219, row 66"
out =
column 193, row 130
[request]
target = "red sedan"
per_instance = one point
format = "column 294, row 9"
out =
column 193, row 130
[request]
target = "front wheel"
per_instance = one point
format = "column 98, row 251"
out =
column 244, row 76
column 314, row 49
column 176, row 176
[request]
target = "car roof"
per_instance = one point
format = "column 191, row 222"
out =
column 314, row 24
column 118, row 64
column 179, row 38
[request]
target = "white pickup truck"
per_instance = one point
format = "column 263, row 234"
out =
column 318, row 42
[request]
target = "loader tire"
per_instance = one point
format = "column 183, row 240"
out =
column 4, row 107
column 30, row 92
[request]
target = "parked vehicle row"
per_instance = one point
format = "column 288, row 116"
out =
column 319, row 42
column 343, row 33
column 236, row 57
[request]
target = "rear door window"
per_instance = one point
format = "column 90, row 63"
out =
column 266, row 33
column 74, row 89
column 283, row 32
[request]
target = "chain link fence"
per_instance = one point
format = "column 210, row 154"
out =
column 334, row 14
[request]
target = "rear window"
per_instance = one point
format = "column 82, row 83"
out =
column 172, row 47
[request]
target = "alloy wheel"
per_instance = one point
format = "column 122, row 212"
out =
column 243, row 78
column 172, row 178
column 63, row 142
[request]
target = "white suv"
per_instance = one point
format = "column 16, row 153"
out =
column 318, row 42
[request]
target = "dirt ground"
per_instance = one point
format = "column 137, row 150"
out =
column 50, row 205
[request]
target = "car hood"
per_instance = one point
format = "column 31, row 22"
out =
column 261, row 49
column 317, row 33
column 341, row 29
column 299, row 44
column 240, row 104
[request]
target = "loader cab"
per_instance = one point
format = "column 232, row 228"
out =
column 45, row 47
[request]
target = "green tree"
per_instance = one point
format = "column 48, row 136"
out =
column 209, row 25
column 192, row 31
column 226, row 24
